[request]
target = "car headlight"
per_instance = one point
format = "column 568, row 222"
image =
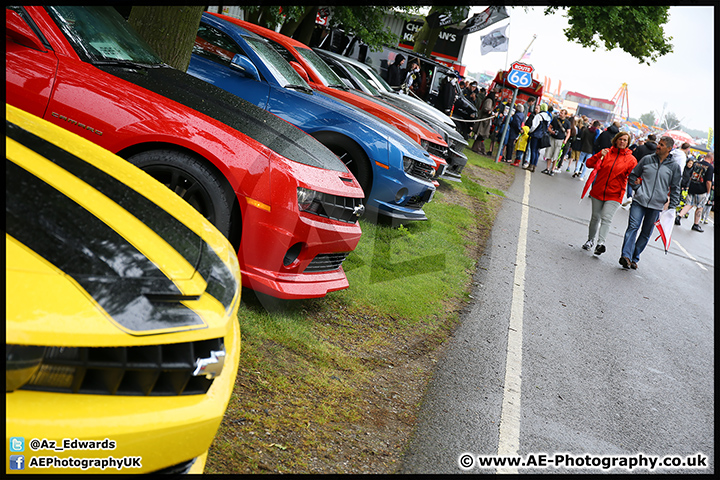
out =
column 306, row 199
column 21, row 363
column 425, row 145
column 407, row 164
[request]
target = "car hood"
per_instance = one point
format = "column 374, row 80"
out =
column 73, row 223
column 251, row 120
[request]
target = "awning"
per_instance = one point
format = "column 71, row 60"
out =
column 590, row 107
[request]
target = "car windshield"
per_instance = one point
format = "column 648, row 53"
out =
column 321, row 69
column 376, row 79
column 361, row 78
column 99, row 34
column 283, row 72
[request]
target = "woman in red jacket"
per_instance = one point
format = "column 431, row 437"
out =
column 613, row 166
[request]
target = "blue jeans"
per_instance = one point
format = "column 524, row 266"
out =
column 633, row 245
column 581, row 163
column 534, row 150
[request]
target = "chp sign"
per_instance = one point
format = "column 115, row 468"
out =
column 520, row 75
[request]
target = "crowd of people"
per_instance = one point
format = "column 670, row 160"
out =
column 645, row 175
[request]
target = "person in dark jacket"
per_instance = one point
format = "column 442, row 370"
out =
column 514, row 128
column 647, row 148
column 587, row 137
column 446, row 97
column 486, row 115
column 395, row 72
column 686, row 173
column 605, row 139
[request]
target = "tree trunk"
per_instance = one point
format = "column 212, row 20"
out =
column 304, row 32
column 170, row 31
column 425, row 39
column 289, row 27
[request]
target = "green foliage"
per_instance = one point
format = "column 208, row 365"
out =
column 648, row 118
column 638, row 30
column 366, row 22
column 270, row 16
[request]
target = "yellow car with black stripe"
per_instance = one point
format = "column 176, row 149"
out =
column 122, row 338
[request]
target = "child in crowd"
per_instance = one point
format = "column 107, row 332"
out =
column 521, row 145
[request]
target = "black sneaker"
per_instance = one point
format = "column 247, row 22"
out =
column 677, row 220
column 625, row 262
column 588, row 245
column 600, row 249
column 697, row 228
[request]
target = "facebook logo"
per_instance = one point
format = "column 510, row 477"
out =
column 17, row 444
column 17, row 462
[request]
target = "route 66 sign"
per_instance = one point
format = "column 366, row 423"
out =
column 520, row 75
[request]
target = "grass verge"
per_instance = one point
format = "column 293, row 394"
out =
column 332, row 385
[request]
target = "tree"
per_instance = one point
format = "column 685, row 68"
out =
column 366, row 22
column 671, row 122
column 648, row 118
column 638, row 30
column 170, row 31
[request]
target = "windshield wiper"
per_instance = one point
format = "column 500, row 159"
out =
column 302, row 88
column 129, row 64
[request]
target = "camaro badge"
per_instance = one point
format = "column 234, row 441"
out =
column 210, row 367
column 359, row 210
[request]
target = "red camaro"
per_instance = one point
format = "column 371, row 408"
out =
column 285, row 201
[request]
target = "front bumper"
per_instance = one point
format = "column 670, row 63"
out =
column 291, row 254
column 456, row 164
column 163, row 431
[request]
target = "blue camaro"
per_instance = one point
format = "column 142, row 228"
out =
column 395, row 172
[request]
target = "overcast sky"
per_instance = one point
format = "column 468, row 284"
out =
column 683, row 79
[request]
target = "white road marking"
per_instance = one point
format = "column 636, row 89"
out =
column 690, row 256
column 509, row 441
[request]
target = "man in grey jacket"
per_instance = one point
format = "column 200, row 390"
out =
column 653, row 178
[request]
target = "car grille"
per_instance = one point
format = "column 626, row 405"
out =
column 421, row 170
column 326, row 262
column 343, row 209
column 437, row 150
column 156, row 370
column 415, row 202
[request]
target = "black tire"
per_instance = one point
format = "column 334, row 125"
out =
column 193, row 181
column 353, row 156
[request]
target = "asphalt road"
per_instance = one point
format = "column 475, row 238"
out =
column 565, row 352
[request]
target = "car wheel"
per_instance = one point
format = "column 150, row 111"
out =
column 354, row 158
column 192, row 180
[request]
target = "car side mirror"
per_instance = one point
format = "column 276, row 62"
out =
column 245, row 66
column 300, row 70
column 20, row 32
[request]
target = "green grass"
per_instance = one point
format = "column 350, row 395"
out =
column 306, row 366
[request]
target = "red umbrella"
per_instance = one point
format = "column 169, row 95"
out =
column 664, row 224
column 590, row 180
